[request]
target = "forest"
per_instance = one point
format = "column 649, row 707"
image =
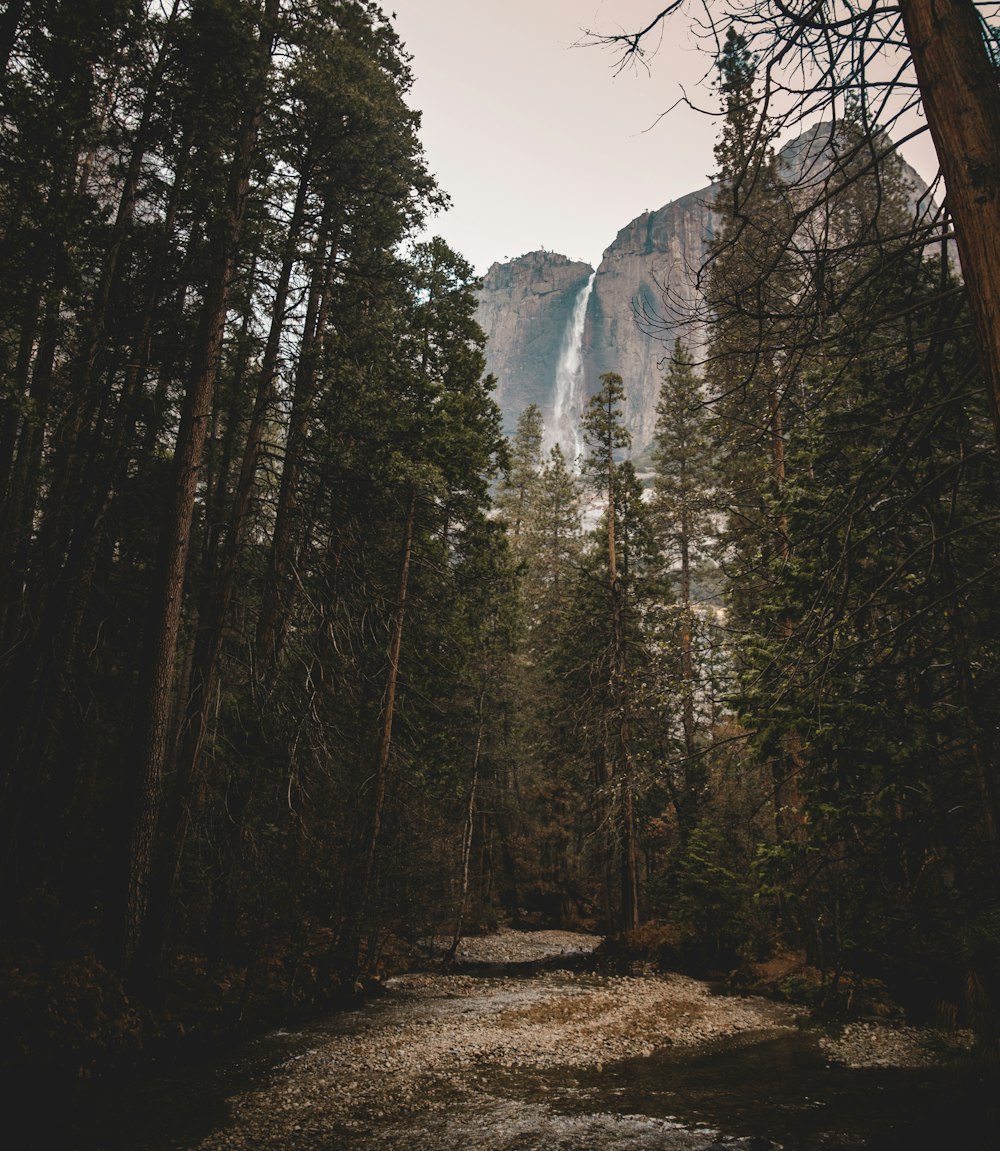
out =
column 304, row 666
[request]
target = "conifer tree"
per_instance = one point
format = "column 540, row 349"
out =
column 207, row 303
column 747, row 285
column 683, row 483
column 942, row 61
column 517, row 495
column 886, row 431
column 605, row 435
column 750, row 279
column 552, row 800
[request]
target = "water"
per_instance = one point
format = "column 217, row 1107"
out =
column 781, row 1092
column 567, row 407
column 751, row 1093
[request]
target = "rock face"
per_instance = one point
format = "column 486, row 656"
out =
column 525, row 308
column 645, row 294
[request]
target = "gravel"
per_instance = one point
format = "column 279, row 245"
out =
column 516, row 947
column 437, row 1042
column 436, row 1046
column 893, row 1045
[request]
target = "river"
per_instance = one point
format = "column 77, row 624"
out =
column 557, row 1060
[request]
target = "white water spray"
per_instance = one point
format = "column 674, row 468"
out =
column 567, row 407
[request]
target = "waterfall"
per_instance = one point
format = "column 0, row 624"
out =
column 567, row 406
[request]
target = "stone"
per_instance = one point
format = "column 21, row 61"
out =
column 524, row 308
column 645, row 294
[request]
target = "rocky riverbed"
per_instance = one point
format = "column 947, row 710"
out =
column 446, row 1038
column 444, row 1058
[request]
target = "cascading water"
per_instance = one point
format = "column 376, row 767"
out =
column 564, row 423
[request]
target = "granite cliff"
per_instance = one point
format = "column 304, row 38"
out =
column 644, row 293
column 525, row 308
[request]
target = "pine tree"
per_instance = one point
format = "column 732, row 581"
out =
column 518, row 489
column 751, row 278
column 546, row 748
column 682, row 506
column 605, row 435
column 207, row 302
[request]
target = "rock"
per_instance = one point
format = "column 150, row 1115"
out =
column 645, row 293
column 524, row 308
column 629, row 329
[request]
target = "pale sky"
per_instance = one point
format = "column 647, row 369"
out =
column 539, row 143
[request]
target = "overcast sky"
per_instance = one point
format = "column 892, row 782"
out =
column 537, row 141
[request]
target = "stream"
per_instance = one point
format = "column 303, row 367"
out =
column 497, row 1064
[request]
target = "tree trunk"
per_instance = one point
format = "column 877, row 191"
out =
column 274, row 612
column 220, row 578
column 687, row 656
column 357, row 921
column 630, row 867
column 961, row 100
column 155, row 688
column 467, row 836
column 187, row 790
column 395, row 648
column 84, row 397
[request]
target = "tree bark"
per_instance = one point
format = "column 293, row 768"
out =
column 961, row 100
column 467, row 836
column 356, row 927
column 155, row 688
column 274, row 611
column 687, row 656
column 85, row 396
column 220, row 574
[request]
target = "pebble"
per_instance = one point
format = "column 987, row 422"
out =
column 892, row 1045
column 447, row 1035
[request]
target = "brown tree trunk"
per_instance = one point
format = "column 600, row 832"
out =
column 84, row 397
column 82, row 466
column 687, row 656
column 467, row 836
column 274, row 611
column 357, row 924
column 623, row 773
column 395, row 648
column 187, row 790
column 220, row 574
column 155, row 688
column 173, row 341
column 961, row 100
column 630, row 866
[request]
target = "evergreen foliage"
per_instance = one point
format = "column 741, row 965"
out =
column 239, row 749
column 305, row 668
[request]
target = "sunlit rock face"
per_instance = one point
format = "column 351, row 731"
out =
column 525, row 308
column 646, row 293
